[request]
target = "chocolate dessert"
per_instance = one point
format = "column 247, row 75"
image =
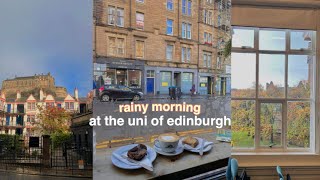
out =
column 138, row 152
column 191, row 141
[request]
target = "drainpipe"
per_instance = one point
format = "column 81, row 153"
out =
column 199, row 19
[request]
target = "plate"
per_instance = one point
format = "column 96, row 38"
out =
column 178, row 151
column 151, row 155
column 196, row 150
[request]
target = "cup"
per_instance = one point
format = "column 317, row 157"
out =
column 167, row 142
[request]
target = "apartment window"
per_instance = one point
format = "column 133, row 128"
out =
column 169, row 52
column 170, row 5
column 207, row 59
column 115, row 16
column 49, row 104
column 273, row 105
column 139, row 49
column 116, row 46
column 186, row 7
column 186, row 30
column 69, row 105
column 31, row 118
column 140, row 20
column 169, row 27
column 207, row 38
column 185, row 54
column 31, row 106
column 218, row 62
column 207, row 17
column 140, row 1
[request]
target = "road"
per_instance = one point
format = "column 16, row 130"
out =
column 13, row 176
column 211, row 107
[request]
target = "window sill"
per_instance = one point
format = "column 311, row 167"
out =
column 262, row 159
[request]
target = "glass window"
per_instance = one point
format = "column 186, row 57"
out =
column 169, row 27
column 243, row 123
column 272, row 40
column 184, row 30
column 243, row 79
column 189, row 31
column 139, row 49
column 120, row 46
column 134, row 77
column 298, row 124
column 110, row 76
column 189, row 7
column 140, row 1
column 188, row 54
column 271, row 75
column 301, row 40
column 140, row 20
column 112, row 46
column 184, row 6
column 207, row 59
column 243, row 38
column 183, row 53
column 150, row 73
column 299, row 76
column 170, row 5
column 120, row 17
column 270, row 124
column 111, row 15
column 169, row 52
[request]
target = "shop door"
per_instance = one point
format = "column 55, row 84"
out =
column 150, row 85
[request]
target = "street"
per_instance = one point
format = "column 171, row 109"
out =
column 211, row 107
column 14, row 176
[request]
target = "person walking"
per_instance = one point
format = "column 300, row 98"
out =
column 193, row 89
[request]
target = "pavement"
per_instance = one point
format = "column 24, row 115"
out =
column 14, row 176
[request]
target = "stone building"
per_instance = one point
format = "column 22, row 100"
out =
column 18, row 113
column 152, row 45
column 29, row 83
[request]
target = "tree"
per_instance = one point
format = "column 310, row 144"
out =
column 53, row 119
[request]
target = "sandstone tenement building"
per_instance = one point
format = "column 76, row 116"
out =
column 151, row 45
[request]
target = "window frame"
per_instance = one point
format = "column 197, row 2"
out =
column 257, row 148
column 141, row 21
column 172, row 5
column 167, row 26
column 115, row 16
column 143, row 51
column 172, row 52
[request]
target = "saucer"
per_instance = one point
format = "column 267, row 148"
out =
column 125, row 164
column 197, row 148
column 178, row 151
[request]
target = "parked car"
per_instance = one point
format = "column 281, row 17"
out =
column 115, row 92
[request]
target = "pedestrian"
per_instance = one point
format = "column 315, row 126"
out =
column 193, row 89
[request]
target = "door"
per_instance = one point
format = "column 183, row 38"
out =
column 150, row 85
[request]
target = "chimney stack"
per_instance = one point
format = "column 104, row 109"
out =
column 76, row 93
column 41, row 95
column 18, row 94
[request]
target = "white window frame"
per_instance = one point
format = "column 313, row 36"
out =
column 171, row 58
column 169, row 26
column 170, row 2
column 186, row 10
column 186, row 30
column 207, row 59
column 116, row 17
column 185, row 54
column 283, row 149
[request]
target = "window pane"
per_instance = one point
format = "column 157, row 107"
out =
column 243, row 123
column 298, row 122
column 243, row 38
column 301, row 40
column 272, row 40
column 134, row 77
column 169, row 27
column 271, row 75
column 270, row 124
column 299, row 76
column 243, row 74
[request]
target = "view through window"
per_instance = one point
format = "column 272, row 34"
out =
column 272, row 89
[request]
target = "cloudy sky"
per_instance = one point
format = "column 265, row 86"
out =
column 41, row 36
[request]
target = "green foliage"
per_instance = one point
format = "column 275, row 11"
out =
column 58, row 139
column 227, row 49
column 10, row 142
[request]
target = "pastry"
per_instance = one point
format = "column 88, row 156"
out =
column 191, row 141
column 138, row 152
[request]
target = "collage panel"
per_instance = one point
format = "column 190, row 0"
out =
column 162, row 89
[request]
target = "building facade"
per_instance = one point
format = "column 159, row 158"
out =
column 152, row 45
column 18, row 115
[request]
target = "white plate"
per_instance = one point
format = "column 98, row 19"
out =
column 178, row 151
column 151, row 155
column 197, row 148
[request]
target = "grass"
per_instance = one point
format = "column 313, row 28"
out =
column 241, row 139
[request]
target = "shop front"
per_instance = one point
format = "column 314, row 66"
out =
column 159, row 79
column 119, row 71
column 223, row 85
column 206, row 83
